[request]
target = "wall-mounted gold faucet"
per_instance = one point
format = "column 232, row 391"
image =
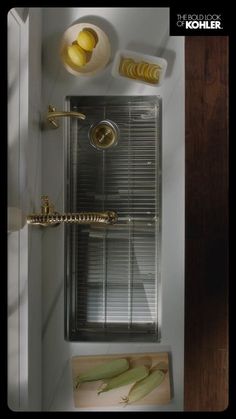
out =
column 50, row 217
column 53, row 114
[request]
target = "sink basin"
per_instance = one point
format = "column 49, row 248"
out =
column 112, row 275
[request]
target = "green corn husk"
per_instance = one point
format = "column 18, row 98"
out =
column 128, row 377
column 160, row 366
column 107, row 370
column 144, row 387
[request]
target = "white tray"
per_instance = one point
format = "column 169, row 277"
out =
column 136, row 56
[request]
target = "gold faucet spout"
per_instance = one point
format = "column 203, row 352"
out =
column 53, row 114
column 106, row 217
column 49, row 217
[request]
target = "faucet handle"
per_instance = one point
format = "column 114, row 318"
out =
column 47, row 207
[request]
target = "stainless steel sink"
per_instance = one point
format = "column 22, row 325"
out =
column 112, row 285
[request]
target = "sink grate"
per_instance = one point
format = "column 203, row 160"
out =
column 113, row 272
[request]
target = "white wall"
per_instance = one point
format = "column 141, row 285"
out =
column 35, row 167
column 24, row 188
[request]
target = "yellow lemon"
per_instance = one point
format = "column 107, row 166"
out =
column 77, row 55
column 86, row 40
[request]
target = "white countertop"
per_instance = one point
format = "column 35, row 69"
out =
column 139, row 29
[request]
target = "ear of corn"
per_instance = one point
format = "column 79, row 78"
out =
column 103, row 371
column 160, row 366
column 144, row 387
column 139, row 361
column 131, row 376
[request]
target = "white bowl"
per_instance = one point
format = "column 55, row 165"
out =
column 99, row 57
column 136, row 56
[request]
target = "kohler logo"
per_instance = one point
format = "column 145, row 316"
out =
column 195, row 21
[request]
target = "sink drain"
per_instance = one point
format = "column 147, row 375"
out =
column 104, row 134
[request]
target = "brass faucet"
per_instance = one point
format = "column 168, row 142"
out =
column 50, row 217
column 53, row 114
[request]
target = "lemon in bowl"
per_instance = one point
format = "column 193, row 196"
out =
column 77, row 55
column 86, row 40
column 96, row 59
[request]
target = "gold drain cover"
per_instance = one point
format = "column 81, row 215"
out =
column 104, row 134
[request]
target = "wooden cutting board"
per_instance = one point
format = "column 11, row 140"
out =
column 86, row 395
